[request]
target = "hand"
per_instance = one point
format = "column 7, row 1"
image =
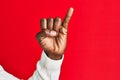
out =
column 53, row 37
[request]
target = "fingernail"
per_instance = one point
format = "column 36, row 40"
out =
column 53, row 33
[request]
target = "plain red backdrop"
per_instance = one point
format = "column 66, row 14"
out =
column 93, row 50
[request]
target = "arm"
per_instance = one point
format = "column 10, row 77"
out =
column 53, row 40
column 47, row 69
column 5, row 75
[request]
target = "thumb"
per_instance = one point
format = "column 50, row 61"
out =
column 40, row 36
column 52, row 33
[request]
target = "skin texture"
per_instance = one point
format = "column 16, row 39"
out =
column 53, row 35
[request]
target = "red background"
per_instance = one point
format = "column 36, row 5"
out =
column 93, row 50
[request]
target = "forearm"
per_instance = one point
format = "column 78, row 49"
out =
column 47, row 69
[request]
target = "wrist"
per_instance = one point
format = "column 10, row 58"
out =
column 53, row 56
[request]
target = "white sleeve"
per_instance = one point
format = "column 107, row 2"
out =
column 6, row 76
column 47, row 69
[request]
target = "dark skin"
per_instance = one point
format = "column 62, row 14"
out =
column 53, row 35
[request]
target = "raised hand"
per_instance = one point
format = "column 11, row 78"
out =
column 53, row 37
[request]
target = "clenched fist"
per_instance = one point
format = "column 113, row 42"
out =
column 53, row 36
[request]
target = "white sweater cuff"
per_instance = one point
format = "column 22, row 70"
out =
column 50, row 64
